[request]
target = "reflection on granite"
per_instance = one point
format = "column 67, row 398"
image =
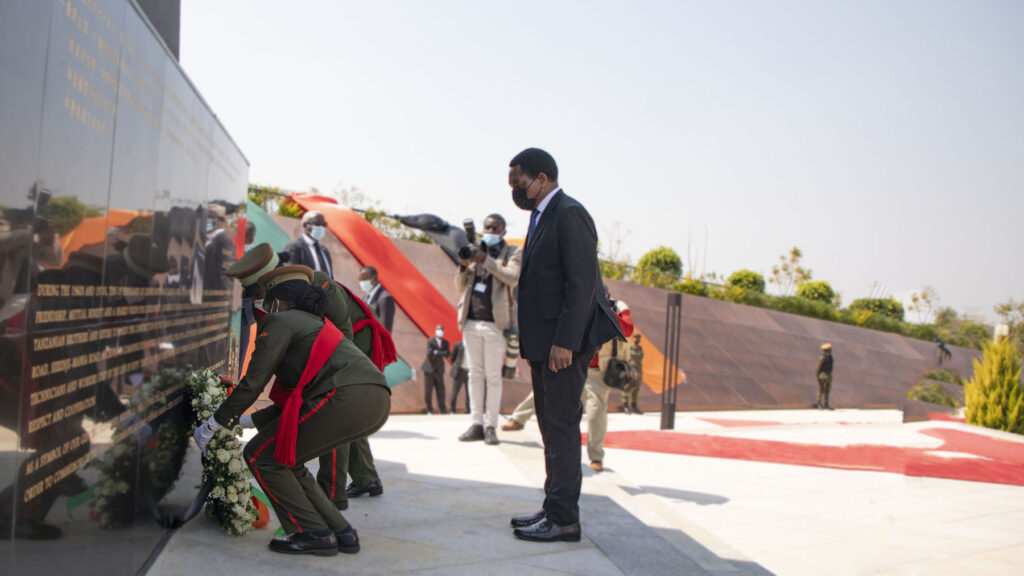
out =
column 120, row 198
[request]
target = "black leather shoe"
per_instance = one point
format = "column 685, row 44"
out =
column 490, row 436
column 321, row 543
column 547, row 531
column 374, row 488
column 343, row 505
column 520, row 521
column 475, row 432
column 348, row 540
column 636, row 409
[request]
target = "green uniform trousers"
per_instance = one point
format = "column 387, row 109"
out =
column 330, row 421
column 354, row 460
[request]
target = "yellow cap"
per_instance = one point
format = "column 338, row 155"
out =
column 284, row 274
column 253, row 265
column 826, row 346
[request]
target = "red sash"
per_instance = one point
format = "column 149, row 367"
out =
column 290, row 401
column 382, row 351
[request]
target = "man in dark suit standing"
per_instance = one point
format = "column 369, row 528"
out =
column 376, row 297
column 558, row 286
column 306, row 250
column 433, row 370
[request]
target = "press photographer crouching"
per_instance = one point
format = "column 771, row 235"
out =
column 486, row 277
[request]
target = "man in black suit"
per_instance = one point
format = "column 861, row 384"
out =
column 433, row 370
column 306, row 250
column 558, row 288
column 376, row 297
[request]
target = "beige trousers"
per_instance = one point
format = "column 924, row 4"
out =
column 596, row 393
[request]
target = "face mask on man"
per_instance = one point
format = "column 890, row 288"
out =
column 522, row 200
column 365, row 285
column 490, row 239
column 249, row 247
column 439, row 333
column 317, row 232
column 209, row 225
column 258, row 304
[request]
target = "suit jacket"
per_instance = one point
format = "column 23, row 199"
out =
column 300, row 255
column 559, row 281
column 436, row 353
column 383, row 306
column 504, row 275
column 219, row 254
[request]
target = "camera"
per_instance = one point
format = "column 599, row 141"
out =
column 466, row 252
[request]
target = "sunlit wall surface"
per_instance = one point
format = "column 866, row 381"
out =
column 120, row 196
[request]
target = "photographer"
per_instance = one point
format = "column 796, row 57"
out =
column 595, row 389
column 485, row 279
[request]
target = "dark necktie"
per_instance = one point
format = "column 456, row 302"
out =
column 533, row 224
column 322, row 262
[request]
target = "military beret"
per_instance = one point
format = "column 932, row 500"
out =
column 284, row 274
column 254, row 264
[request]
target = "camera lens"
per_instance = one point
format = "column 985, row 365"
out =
column 466, row 252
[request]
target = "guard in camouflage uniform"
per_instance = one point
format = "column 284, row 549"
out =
column 636, row 358
column 824, row 375
column 327, row 394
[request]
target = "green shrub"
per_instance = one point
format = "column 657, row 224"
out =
column 290, row 209
column 948, row 376
column 819, row 290
column 995, row 396
column 614, row 270
column 884, row 306
column 747, row 280
column 921, row 331
column 872, row 320
column 804, row 307
column 933, row 393
column 691, row 286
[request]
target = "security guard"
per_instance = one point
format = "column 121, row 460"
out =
column 357, row 323
column 824, row 374
column 327, row 394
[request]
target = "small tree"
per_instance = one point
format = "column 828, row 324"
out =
column 1012, row 314
column 994, row 396
column 747, row 280
column 819, row 290
column 660, row 267
column 788, row 273
column 924, row 303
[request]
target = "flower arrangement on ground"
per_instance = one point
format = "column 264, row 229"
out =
column 229, row 501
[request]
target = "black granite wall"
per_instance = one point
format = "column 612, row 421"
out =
column 112, row 171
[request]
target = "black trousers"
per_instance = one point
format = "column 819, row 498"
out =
column 434, row 381
column 559, row 410
column 458, row 383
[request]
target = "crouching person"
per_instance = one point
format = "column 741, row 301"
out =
column 326, row 395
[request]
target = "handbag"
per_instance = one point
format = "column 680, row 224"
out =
column 620, row 374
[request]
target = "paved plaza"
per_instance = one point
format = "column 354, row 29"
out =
column 446, row 505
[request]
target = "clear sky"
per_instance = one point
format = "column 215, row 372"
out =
column 883, row 138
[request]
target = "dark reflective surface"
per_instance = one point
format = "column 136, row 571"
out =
column 119, row 205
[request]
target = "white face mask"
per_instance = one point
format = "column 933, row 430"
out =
column 365, row 285
column 258, row 304
column 439, row 333
column 317, row 232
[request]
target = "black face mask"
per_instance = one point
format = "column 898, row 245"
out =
column 521, row 200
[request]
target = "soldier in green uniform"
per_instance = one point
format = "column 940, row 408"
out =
column 636, row 358
column 346, row 399
column 824, row 375
column 354, row 459
column 345, row 312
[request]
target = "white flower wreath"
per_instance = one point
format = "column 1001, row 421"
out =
column 229, row 501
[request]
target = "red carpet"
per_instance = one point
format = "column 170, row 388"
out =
column 1003, row 463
